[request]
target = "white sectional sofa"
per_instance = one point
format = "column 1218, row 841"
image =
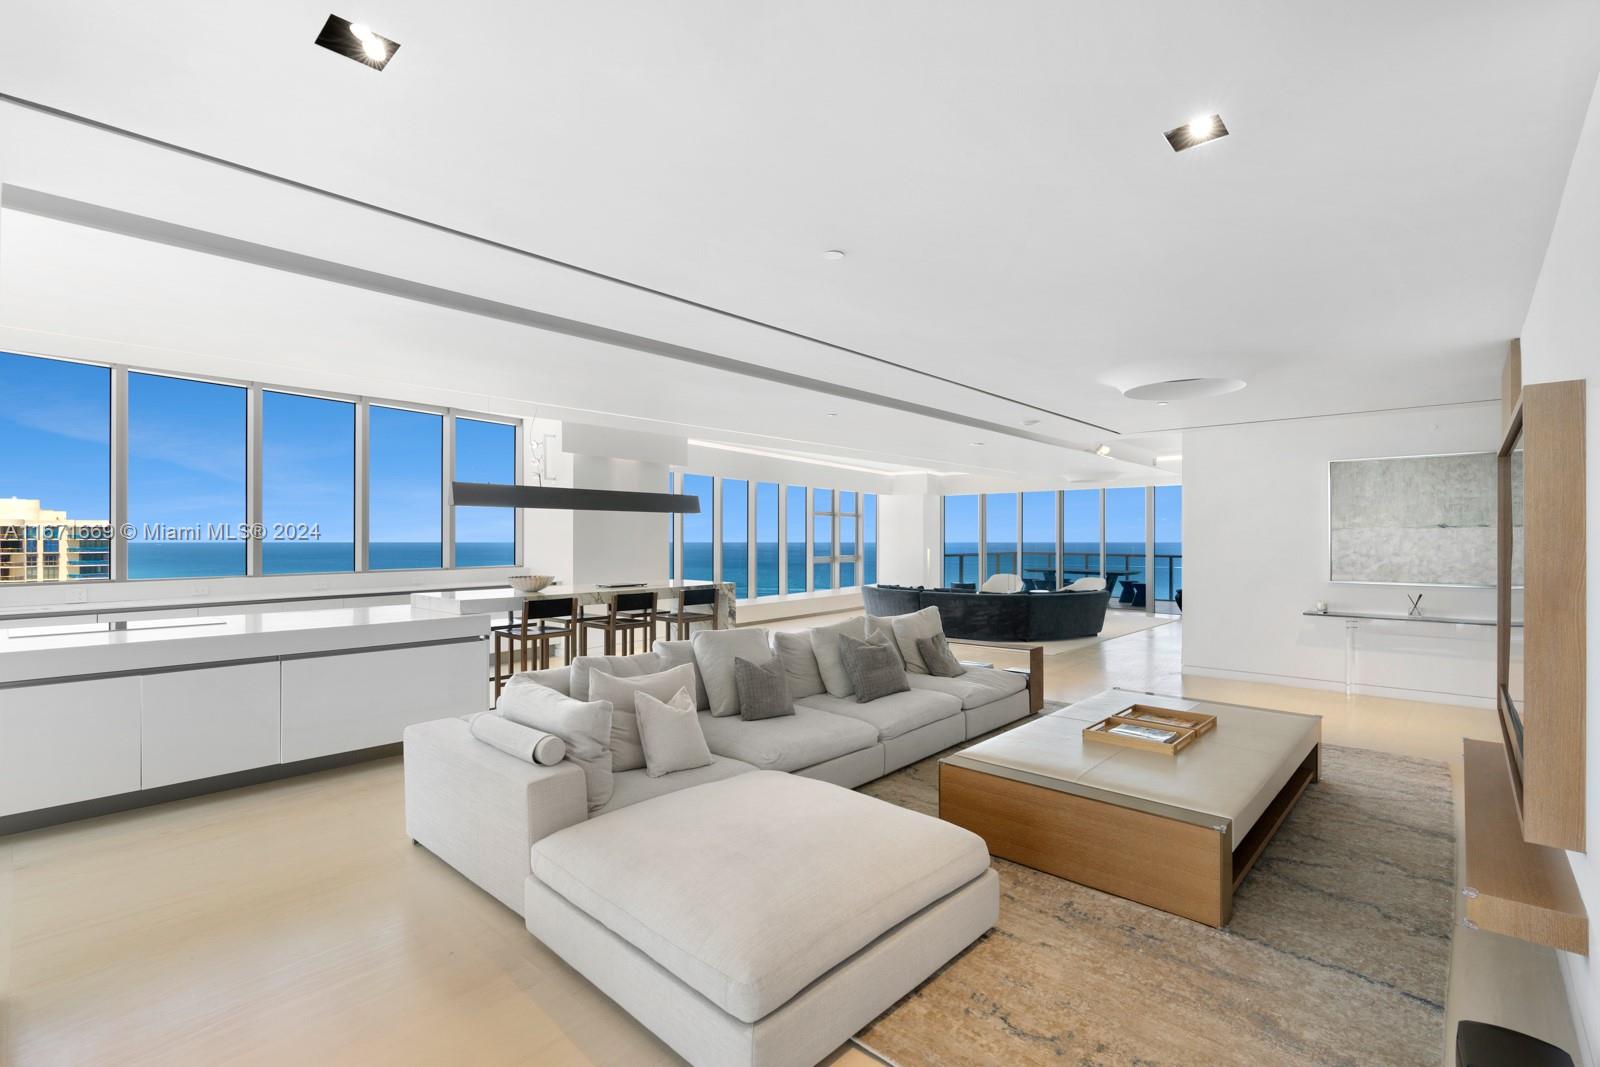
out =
column 808, row 905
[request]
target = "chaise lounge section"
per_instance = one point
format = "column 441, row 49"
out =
column 975, row 616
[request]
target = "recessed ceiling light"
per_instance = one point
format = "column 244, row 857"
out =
column 977, row 444
column 833, row 414
column 1161, row 403
column 1103, row 450
column 1184, row 389
column 1197, row 130
column 833, row 253
column 357, row 41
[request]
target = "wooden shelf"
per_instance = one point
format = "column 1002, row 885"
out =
column 1512, row 887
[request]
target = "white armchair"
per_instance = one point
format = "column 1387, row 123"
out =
column 1085, row 585
column 1002, row 583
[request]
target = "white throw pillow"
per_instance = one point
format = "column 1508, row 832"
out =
column 799, row 664
column 585, row 726
column 626, row 752
column 884, row 624
column 673, row 740
column 673, row 653
column 714, row 653
column 616, row 666
column 825, row 646
column 907, row 628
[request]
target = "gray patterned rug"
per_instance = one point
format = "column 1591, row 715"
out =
column 1338, row 952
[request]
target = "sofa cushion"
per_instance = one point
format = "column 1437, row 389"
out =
column 874, row 667
column 751, row 888
column 825, row 645
column 630, row 787
column 791, row 743
column 799, row 663
column 884, row 624
column 585, row 727
column 907, row 628
column 616, row 666
column 627, row 751
column 979, row 686
column 763, row 689
column 893, row 715
column 714, row 653
column 671, row 734
column 937, row 657
column 557, row 678
column 673, row 653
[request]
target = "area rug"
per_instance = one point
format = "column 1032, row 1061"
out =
column 1117, row 624
column 1338, row 952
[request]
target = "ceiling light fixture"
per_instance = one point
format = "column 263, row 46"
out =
column 1196, row 131
column 833, row 253
column 357, row 41
column 1184, row 389
column 1103, row 450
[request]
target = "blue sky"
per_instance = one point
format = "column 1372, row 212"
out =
column 1124, row 516
column 186, row 460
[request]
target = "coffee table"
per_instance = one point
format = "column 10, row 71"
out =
column 1177, row 832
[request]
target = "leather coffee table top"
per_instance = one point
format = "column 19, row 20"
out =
column 1225, row 779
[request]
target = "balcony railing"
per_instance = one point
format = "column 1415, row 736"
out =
column 962, row 567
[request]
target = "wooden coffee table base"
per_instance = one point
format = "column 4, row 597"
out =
column 1168, row 863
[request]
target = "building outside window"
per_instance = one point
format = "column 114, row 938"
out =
column 767, row 550
column 794, row 537
column 186, row 478
column 869, row 539
column 1168, row 539
column 1039, row 541
column 698, row 532
column 736, row 535
column 961, row 541
column 55, row 484
column 1080, row 535
column 1125, row 536
column 1000, row 534
column 822, row 550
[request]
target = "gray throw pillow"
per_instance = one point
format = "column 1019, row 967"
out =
column 884, row 624
column 763, row 689
column 670, row 730
column 907, row 628
column 627, row 754
column 873, row 666
column 935, row 652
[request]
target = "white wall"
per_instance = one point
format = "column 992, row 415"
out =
column 1255, row 555
column 1561, row 341
column 909, row 551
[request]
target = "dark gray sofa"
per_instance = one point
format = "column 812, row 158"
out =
column 997, row 616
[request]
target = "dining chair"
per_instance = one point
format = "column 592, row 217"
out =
column 699, row 597
column 627, row 615
column 529, row 641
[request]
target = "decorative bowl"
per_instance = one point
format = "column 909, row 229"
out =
column 529, row 583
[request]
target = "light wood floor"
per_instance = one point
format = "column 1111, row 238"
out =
column 294, row 922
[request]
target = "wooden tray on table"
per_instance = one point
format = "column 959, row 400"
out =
column 1180, row 727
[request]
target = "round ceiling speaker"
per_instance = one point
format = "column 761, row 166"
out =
column 1184, row 389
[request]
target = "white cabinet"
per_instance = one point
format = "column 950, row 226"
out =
column 213, row 720
column 352, row 701
column 68, row 741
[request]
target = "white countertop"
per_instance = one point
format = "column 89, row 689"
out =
column 505, row 598
column 13, row 614
column 65, row 651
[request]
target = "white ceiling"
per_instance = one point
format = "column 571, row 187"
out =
column 1368, row 237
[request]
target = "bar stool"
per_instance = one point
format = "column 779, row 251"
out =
column 693, row 597
column 626, row 615
column 543, row 621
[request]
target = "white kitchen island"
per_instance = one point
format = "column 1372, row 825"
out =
column 99, row 716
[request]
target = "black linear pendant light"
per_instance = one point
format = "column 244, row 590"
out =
column 549, row 498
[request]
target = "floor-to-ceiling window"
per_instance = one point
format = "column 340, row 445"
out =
column 822, row 532
column 794, row 537
column 848, row 547
column 55, row 470
column 699, row 530
column 1039, row 540
column 308, row 484
column 672, row 533
column 486, row 452
column 186, row 478
column 736, row 535
column 1125, row 537
column 1168, row 537
column 1000, row 534
column 869, row 538
column 1080, row 534
column 405, row 493
column 961, row 541
column 766, row 539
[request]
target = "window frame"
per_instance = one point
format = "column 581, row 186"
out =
column 254, row 438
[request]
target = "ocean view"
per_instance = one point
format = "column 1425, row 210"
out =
column 1080, row 559
column 697, row 563
column 221, row 559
